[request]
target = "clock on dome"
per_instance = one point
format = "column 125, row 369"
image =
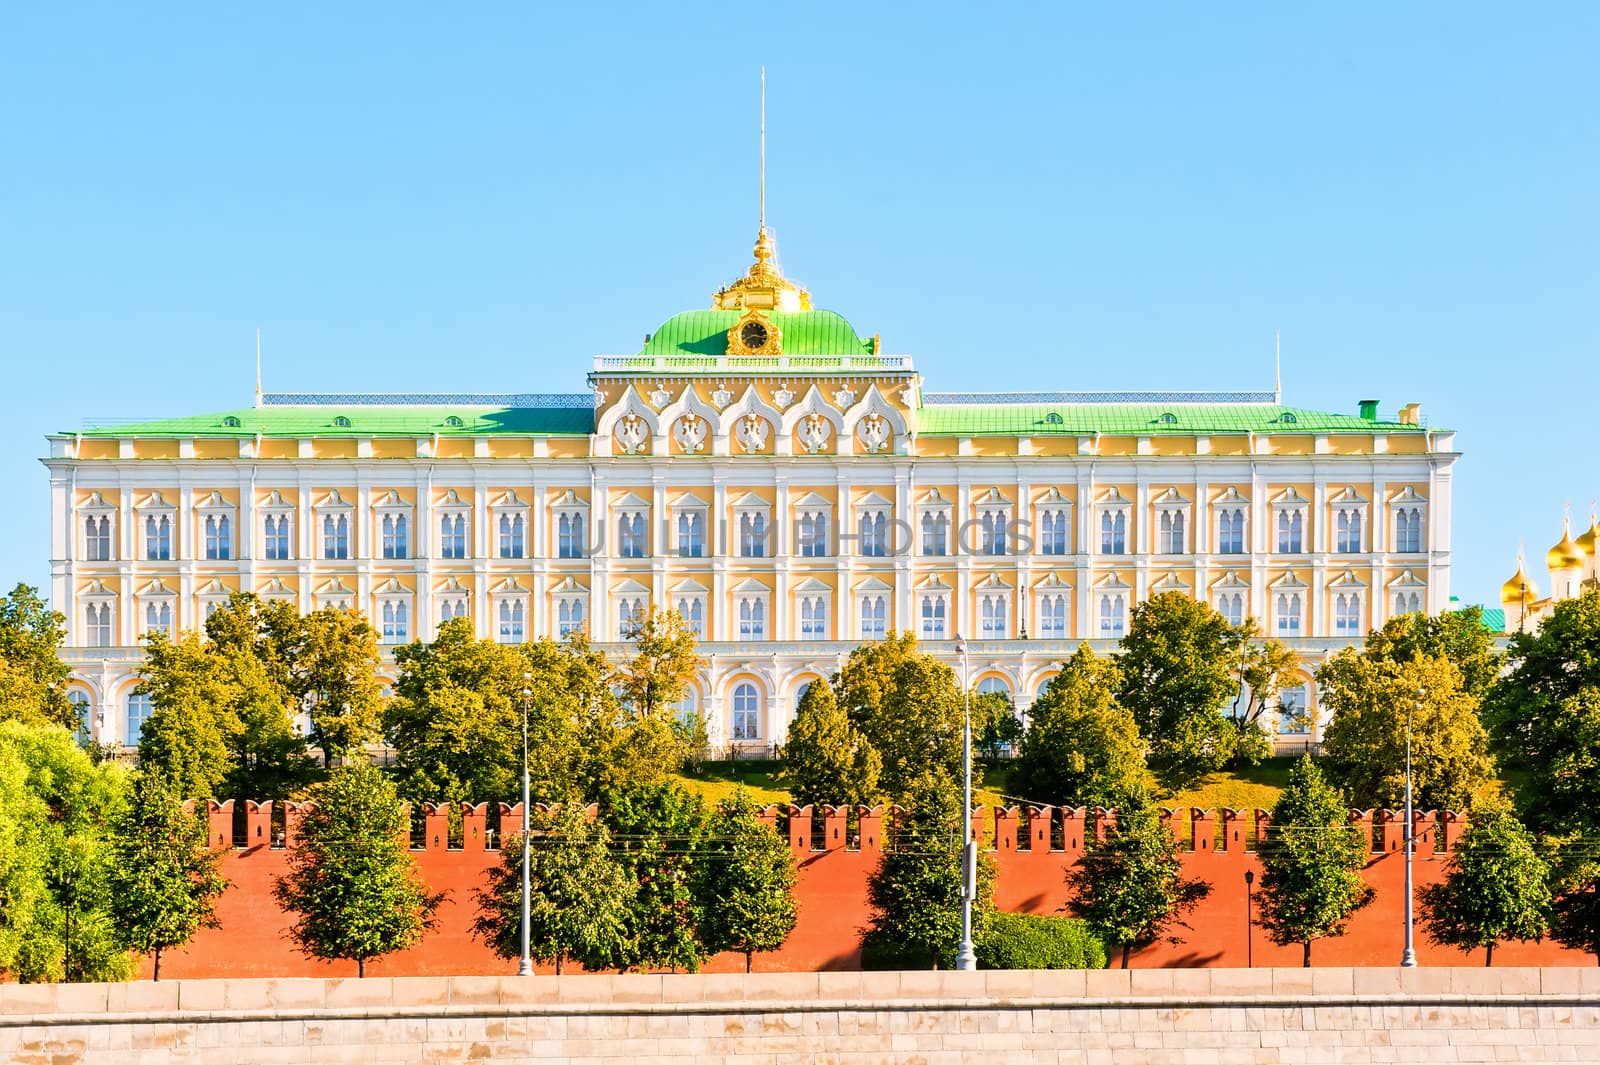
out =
column 753, row 334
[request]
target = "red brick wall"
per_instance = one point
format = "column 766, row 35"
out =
column 832, row 895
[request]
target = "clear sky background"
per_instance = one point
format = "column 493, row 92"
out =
column 482, row 197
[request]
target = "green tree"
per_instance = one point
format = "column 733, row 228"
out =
column 1458, row 635
column 995, row 724
column 164, row 881
column 56, row 809
column 1544, row 716
column 660, row 835
column 1311, row 858
column 191, row 728
column 1576, row 883
column 578, row 894
column 826, row 759
column 1177, row 666
column 256, row 639
column 1082, row 748
column 915, row 892
column 664, row 662
column 906, row 705
column 352, row 884
column 1263, row 668
column 33, row 679
column 335, row 666
column 1364, row 746
column 750, row 878
column 1495, row 886
column 455, row 721
column 1130, row 887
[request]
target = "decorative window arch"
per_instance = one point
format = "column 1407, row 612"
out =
column 1115, row 510
column 1232, row 511
column 1055, row 523
column 746, row 712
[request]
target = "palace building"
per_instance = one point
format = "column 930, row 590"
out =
column 780, row 480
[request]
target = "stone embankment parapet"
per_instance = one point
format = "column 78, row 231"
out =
column 1126, row 1016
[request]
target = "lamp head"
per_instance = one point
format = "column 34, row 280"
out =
column 1249, row 877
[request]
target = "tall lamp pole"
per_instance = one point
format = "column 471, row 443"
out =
column 1249, row 922
column 967, row 958
column 1408, row 959
column 525, row 964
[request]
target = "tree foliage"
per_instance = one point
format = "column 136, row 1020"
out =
column 1177, row 673
column 33, row 679
column 1039, row 941
column 1311, row 858
column 187, row 737
column 749, row 878
column 664, row 662
column 351, row 884
column 1130, row 887
column 56, row 809
column 907, row 706
column 1263, row 669
column 659, row 833
column 1082, row 747
column 1544, row 716
column 826, row 759
column 1458, row 636
column 578, row 896
column 1364, row 744
column 1495, row 886
column 164, row 880
column 335, row 670
column 915, row 892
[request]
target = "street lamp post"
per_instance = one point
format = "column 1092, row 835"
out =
column 1249, row 921
column 525, row 964
column 967, row 957
column 1408, row 958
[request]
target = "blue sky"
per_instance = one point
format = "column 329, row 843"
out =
column 412, row 197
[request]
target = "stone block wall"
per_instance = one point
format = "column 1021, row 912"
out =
column 1129, row 1017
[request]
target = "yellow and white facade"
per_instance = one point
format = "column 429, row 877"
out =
column 777, row 479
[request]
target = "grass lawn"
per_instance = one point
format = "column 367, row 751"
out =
column 717, row 780
column 1246, row 788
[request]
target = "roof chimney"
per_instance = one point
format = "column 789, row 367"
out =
column 1369, row 409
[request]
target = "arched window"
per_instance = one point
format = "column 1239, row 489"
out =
column 158, row 539
column 569, row 616
column 752, row 619
column 687, row 709
column 1113, row 533
column 1231, row 606
column 97, row 625
column 336, row 537
column 933, row 617
column 630, row 615
column 1053, row 532
column 394, row 536
column 1112, row 617
column 158, row 618
column 1291, row 532
column 873, row 526
column 97, row 538
column 395, row 621
column 691, row 534
column 992, row 527
column 513, row 623
column 992, row 617
column 692, row 609
column 82, row 729
column 453, row 536
column 452, row 607
column 278, row 537
column 753, row 535
column 1294, row 718
column 1349, row 532
column 1407, row 603
column 1288, row 613
column 513, row 536
column 1053, row 616
column 1408, row 529
column 874, row 617
column 813, row 617
column 935, row 533
column 219, row 537
column 1346, row 614
column 569, row 536
column 630, row 535
column 1172, row 532
column 1230, row 532
column 746, row 712
column 138, row 712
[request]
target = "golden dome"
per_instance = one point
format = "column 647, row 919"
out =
column 1519, row 589
column 1566, row 554
column 1586, row 542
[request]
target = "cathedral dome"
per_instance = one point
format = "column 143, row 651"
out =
column 1519, row 589
column 1586, row 542
column 1566, row 554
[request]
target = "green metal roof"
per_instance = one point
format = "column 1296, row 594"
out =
column 1186, row 419
column 804, row 333
column 1494, row 620
column 366, row 421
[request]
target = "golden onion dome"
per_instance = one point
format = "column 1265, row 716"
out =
column 1519, row 589
column 1566, row 554
column 1586, row 542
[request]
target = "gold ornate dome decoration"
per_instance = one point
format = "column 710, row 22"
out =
column 1519, row 589
column 763, row 287
column 1566, row 554
column 1586, row 542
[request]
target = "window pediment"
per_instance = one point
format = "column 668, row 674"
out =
column 1171, row 499
column 95, row 504
column 1112, row 582
column 1170, row 582
column 1347, row 581
column 156, row 587
column 451, row 586
column 1113, row 497
column 1406, row 579
column 154, row 501
column 751, row 586
column 1290, row 497
column 332, row 500
column 873, row 584
column 1408, row 494
column 1231, row 581
column 1287, row 580
column 275, row 502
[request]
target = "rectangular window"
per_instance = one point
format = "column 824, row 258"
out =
column 453, row 536
column 753, row 535
column 513, row 536
column 693, row 613
column 158, row 618
column 138, row 714
column 1171, row 533
column 1349, row 532
column 1231, row 606
column 1408, row 530
column 992, row 533
column 933, row 617
column 1230, row 532
column 394, row 536
column 874, row 617
column 1053, row 616
column 1291, row 532
column 813, row 617
column 1113, row 617
column 452, row 608
column 1293, row 720
column 336, row 536
column 630, row 615
column 752, row 619
column 1113, row 533
column 219, row 537
column 1346, row 615
column 992, row 616
column 1053, row 532
column 279, row 537
column 97, row 625
column 512, row 622
column 569, row 616
column 873, row 529
column 396, row 621
column 1288, row 613
column 97, row 538
column 569, row 536
column 158, row 539
column 811, row 534
column 691, row 534
column 935, row 533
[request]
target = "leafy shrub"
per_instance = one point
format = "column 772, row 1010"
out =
column 1035, row 941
